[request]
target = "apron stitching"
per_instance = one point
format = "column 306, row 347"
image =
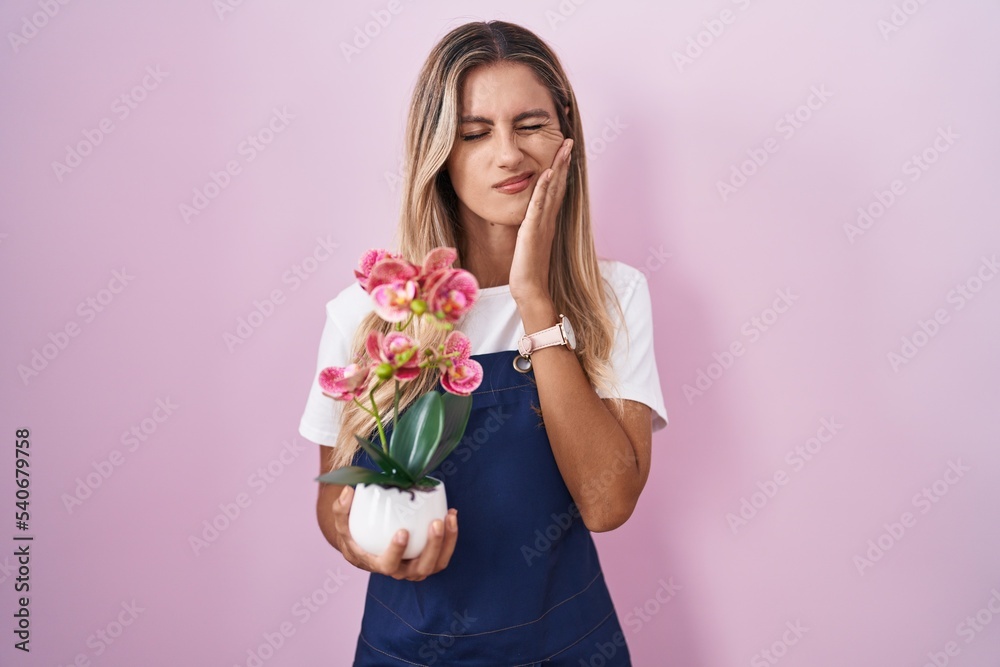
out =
column 489, row 632
column 497, row 391
column 588, row 633
column 418, row 664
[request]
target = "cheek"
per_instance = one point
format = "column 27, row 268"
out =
column 467, row 168
column 548, row 143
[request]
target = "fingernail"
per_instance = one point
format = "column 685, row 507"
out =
column 400, row 537
column 436, row 529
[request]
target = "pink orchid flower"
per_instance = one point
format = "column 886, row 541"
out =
column 368, row 261
column 450, row 293
column 392, row 300
column 347, row 383
column 391, row 270
column 464, row 375
column 435, row 260
column 392, row 349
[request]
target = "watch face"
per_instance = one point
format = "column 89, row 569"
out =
column 569, row 333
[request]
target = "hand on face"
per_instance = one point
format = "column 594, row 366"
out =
column 529, row 271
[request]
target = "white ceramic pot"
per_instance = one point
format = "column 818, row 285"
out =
column 377, row 512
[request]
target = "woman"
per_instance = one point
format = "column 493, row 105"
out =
column 554, row 449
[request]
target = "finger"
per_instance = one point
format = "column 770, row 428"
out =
column 537, row 202
column 557, row 159
column 554, row 177
column 557, row 188
column 350, row 549
column 389, row 560
column 342, row 511
column 424, row 564
column 562, row 167
column 450, row 538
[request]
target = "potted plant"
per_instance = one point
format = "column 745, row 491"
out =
column 402, row 494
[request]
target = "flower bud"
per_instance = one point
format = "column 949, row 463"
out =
column 384, row 371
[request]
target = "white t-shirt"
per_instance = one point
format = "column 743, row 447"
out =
column 494, row 325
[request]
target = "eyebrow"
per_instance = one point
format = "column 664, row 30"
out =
column 531, row 113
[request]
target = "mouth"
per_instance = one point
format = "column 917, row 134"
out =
column 515, row 183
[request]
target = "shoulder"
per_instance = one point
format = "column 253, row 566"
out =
column 623, row 278
column 349, row 307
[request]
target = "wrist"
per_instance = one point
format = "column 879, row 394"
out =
column 537, row 314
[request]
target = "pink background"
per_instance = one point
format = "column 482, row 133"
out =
column 671, row 134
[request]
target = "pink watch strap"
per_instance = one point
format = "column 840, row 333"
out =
column 536, row 341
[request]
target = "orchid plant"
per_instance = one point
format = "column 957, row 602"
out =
column 433, row 425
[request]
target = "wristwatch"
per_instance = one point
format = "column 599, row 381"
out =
column 560, row 334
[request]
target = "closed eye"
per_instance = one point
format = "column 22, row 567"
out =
column 474, row 137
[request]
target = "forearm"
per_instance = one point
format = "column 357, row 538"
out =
column 587, row 440
column 328, row 495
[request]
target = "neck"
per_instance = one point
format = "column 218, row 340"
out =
column 488, row 251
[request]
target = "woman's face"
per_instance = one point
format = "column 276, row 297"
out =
column 507, row 128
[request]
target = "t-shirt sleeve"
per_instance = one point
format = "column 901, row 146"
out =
column 320, row 421
column 633, row 356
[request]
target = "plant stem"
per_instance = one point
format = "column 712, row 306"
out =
column 395, row 406
column 362, row 406
column 378, row 419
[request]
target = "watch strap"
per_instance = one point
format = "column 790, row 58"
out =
column 541, row 339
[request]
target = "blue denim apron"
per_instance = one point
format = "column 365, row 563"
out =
column 524, row 586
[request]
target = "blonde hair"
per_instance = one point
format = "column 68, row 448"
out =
column 429, row 218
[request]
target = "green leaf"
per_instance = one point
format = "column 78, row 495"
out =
column 456, row 418
column 351, row 475
column 416, row 436
column 384, row 461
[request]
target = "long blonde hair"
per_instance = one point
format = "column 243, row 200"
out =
column 429, row 218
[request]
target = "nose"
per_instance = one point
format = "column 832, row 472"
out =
column 508, row 152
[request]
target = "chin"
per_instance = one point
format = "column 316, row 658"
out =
column 509, row 219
